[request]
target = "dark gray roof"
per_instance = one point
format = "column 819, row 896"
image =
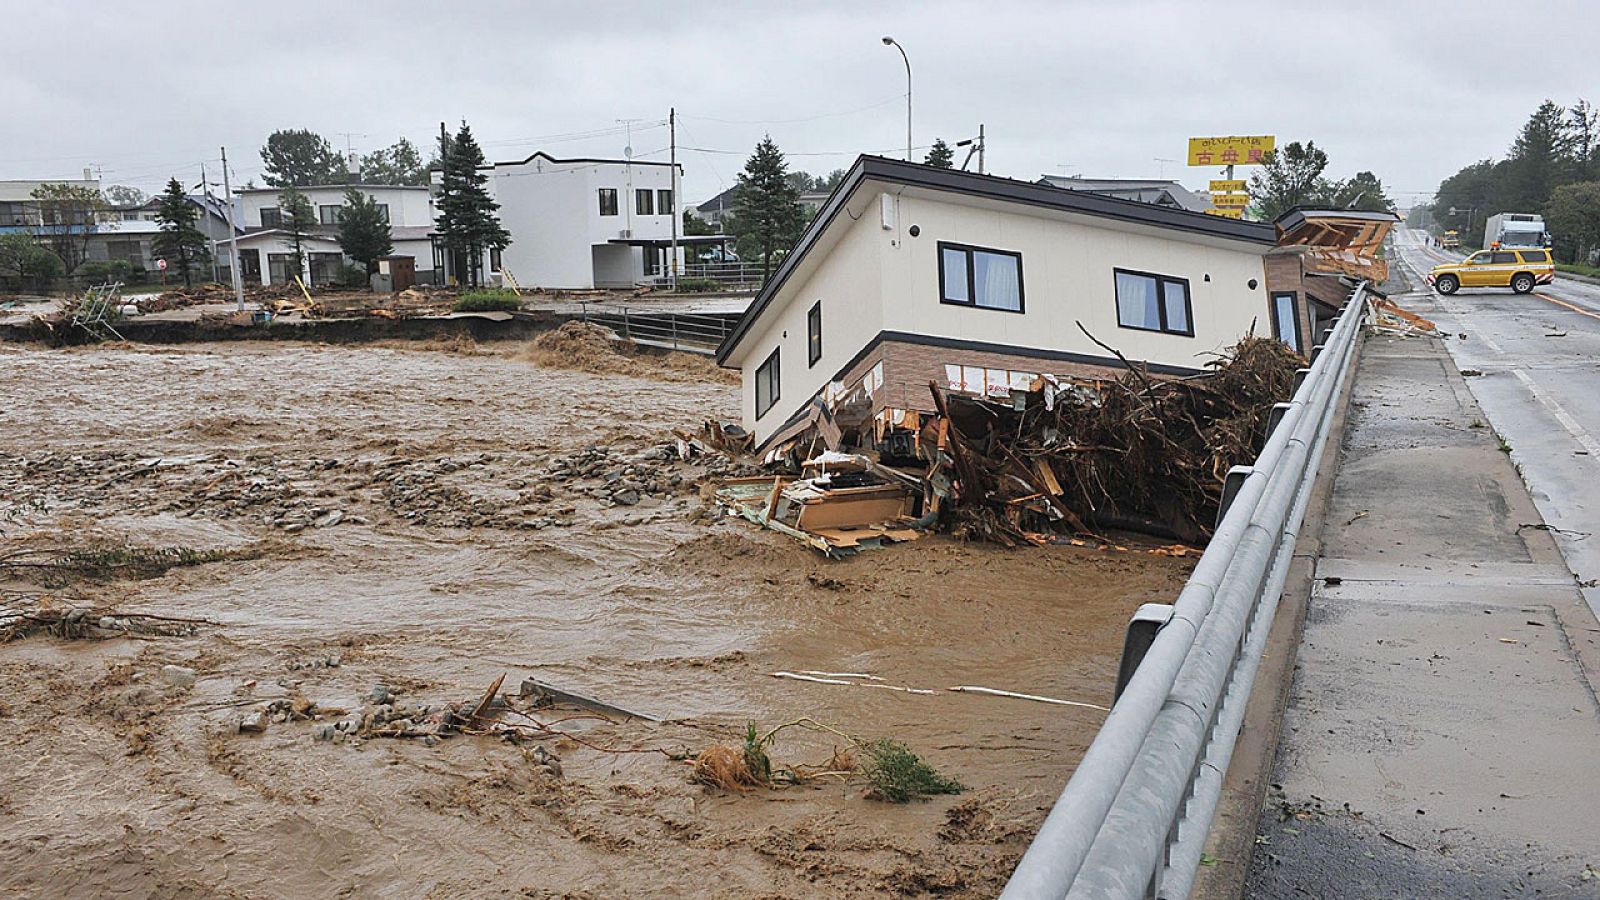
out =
column 1027, row 193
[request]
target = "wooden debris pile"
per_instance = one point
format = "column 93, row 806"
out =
column 1138, row 454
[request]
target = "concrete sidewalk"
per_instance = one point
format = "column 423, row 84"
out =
column 1442, row 734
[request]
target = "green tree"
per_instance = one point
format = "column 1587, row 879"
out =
column 1472, row 193
column 179, row 242
column 1540, row 158
column 21, row 256
column 1573, row 217
column 296, row 218
column 940, row 156
column 399, row 163
column 834, row 179
column 1289, row 177
column 122, row 195
column 363, row 233
column 767, row 216
column 300, row 158
column 1583, row 124
column 68, row 214
column 1364, row 192
column 468, row 224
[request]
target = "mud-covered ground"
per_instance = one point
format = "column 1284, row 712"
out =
column 429, row 518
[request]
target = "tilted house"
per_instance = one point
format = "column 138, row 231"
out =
column 912, row 274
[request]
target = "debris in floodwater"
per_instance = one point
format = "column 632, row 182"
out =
column 88, row 623
column 892, row 772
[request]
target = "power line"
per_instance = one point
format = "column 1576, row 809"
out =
column 849, row 112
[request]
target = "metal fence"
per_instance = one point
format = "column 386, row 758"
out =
column 732, row 276
column 690, row 332
column 1133, row 819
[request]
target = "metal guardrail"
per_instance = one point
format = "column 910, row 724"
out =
column 730, row 276
column 1133, row 819
column 690, row 332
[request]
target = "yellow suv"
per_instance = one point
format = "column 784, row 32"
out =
column 1518, row 268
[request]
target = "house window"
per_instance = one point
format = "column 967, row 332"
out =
column 383, row 213
column 1286, row 319
column 271, row 217
column 1153, row 303
column 328, row 215
column 644, row 202
column 608, row 201
column 767, row 384
column 494, row 259
column 973, row 276
column 664, row 202
column 814, row 334
column 280, row 267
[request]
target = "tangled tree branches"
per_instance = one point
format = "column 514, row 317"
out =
column 1138, row 453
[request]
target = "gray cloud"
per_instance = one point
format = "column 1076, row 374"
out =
column 1405, row 89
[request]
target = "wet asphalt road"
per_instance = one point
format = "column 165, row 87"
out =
column 1539, row 356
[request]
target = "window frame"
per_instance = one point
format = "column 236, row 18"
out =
column 274, row 213
column 663, row 201
column 814, row 334
column 1294, row 313
column 1543, row 260
column 774, row 382
column 1161, row 301
column 644, row 201
column 972, row 274
column 383, row 213
column 603, row 197
column 325, row 217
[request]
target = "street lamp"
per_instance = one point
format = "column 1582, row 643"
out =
column 891, row 42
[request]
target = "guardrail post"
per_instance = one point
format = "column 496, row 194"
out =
column 674, row 320
column 1279, row 410
column 626, row 333
column 1317, row 351
column 1300, row 377
column 1142, row 628
column 1231, row 483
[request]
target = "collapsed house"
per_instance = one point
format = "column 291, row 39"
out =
column 980, row 343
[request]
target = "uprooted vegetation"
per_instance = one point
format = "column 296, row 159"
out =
column 66, row 621
column 892, row 772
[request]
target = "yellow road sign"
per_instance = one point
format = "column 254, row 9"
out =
column 1230, row 201
column 1223, row 187
column 1226, row 213
column 1230, row 151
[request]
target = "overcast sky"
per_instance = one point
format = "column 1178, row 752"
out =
column 1409, row 90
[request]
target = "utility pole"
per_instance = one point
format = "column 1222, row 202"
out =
column 205, row 196
column 233, row 235
column 672, row 129
column 982, row 145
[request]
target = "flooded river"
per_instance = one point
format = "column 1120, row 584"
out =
column 433, row 518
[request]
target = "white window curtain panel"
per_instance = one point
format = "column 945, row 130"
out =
column 999, row 287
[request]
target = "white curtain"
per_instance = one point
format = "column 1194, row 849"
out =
column 999, row 284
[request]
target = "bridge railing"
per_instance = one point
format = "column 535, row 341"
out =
column 1133, row 819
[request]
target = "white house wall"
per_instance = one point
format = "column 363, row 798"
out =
column 849, row 283
column 408, row 206
column 1067, row 277
column 877, row 279
column 552, row 212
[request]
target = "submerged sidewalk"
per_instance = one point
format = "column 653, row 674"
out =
column 1442, row 734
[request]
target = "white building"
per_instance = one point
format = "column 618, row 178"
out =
column 581, row 223
column 266, row 254
column 912, row 274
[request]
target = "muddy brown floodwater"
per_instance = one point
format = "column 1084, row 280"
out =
column 431, row 518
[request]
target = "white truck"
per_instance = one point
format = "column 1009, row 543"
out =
column 1514, row 230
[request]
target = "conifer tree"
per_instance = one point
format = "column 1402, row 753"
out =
column 468, row 224
column 179, row 242
column 767, row 216
column 363, row 234
column 940, row 156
